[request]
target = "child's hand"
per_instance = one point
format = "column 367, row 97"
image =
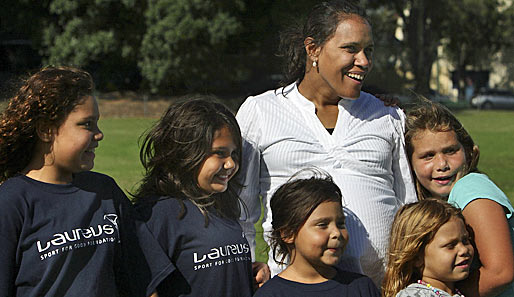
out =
column 261, row 274
column 389, row 100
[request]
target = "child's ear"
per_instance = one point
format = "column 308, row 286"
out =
column 44, row 132
column 419, row 262
column 287, row 238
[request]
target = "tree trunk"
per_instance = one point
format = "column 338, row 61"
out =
column 422, row 49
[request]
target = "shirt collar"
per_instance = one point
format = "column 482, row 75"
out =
column 306, row 104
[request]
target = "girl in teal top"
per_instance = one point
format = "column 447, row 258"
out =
column 444, row 160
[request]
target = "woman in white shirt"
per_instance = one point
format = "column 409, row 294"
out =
column 320, row 118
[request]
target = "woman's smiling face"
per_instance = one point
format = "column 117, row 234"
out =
column 346, row 58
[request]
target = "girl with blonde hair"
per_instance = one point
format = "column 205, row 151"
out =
column 429, row 251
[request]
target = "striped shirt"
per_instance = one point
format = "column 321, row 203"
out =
column 364, row 155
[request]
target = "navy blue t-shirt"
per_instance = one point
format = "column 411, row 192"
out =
column 212, row 260
column 344, row 284
column 76, row 239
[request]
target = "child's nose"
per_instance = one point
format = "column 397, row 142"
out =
column 442, row 163
column 99, row 135
column 229, row 163
column 466, row 249
column 344, row 235
column 337, row 232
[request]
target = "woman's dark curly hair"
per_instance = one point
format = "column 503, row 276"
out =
column 293, row 203
column 174, row 149
column 320, row 25
column 45, row 99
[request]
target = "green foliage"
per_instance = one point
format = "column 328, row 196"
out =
column 177, row 46
column 80, row 35
column 88, row 33
column 73, row 48
column 184, row 40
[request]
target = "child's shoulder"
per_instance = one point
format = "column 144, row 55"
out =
column 86, row 178
column 13, row 183
column 99, row 183
column 169, row 209
column 357, row 283
column 90, row 180
column 343, row 284
column 417, row 290
column 155, row 201
column 477, row 185
column 275, row 287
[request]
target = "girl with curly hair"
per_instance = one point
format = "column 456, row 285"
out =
column 64, row 230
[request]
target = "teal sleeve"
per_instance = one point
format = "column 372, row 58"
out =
column 478, row 186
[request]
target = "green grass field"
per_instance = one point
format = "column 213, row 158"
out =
column 118, row 153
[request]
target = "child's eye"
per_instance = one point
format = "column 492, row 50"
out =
column 452, row 151
column 322, row 225
column 427, row 156
column 341, row 225
column 221, row 154
column 88, row 125
column 451, row 246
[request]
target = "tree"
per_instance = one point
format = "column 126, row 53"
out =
column 102, row 36
column 422, row 30
column 470, row 30
column 19, row 38
column 478, row 30
column 184, row 42
column 388, row 75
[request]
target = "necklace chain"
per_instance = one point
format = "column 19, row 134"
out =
column 436, row 290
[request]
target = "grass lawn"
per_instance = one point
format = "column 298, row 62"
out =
column 493, row 131
column 118, row 153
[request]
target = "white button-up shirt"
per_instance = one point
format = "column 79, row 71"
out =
column 365, row 156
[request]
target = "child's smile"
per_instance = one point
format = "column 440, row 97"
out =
column 438, row 159
column 220, row 166
column 447, row 258
column 320, row 242
column 71, row 145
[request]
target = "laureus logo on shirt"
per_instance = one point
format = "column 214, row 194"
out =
column 222, row 251
column 80, row 237
column 113, row 218
column 222, row 255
